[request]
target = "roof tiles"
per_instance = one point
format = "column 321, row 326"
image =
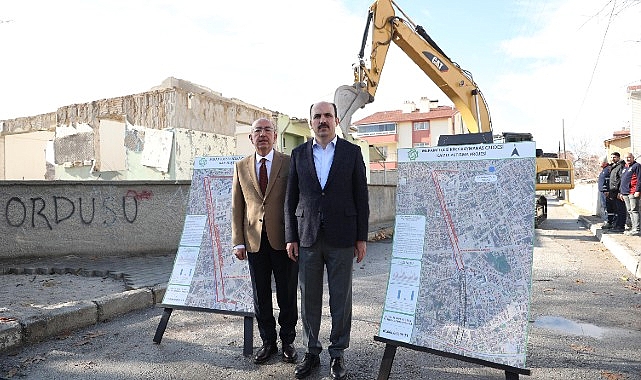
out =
column 397, row 116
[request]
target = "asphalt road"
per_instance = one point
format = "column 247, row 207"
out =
column 585, row 324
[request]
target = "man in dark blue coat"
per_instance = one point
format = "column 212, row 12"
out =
column 326, row 220
column 603, row 205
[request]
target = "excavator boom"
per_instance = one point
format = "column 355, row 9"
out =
column 456, row 83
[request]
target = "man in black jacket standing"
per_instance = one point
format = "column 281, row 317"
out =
column 326, row 220
column 612, row 195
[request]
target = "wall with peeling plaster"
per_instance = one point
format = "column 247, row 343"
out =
column 203, row 122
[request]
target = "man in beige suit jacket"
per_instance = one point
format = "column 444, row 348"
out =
column 258, row 235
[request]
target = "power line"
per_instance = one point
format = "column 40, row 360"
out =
column 596, row 63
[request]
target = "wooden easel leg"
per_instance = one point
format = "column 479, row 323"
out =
column 162, row 325
column 511, row 375
column 248, row 346
column 386, row 363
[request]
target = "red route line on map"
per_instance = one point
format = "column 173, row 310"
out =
column 215, row 234
column 451, row 232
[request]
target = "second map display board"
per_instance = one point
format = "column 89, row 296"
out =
column 460, row 275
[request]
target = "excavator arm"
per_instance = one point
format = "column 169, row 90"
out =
column 456, row 83
column 553, row 174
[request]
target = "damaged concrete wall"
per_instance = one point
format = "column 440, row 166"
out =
column 28, row 155
column 74, row 148
column 210, row 116
column 191, row 144
column 44, row 122
column 214, row 114
column 151, row 109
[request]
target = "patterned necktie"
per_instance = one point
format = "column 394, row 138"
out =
column 262, row 175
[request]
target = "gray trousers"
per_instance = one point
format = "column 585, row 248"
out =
column 311, row 265
column 632, row 206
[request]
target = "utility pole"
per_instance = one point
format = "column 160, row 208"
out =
column 565, row 154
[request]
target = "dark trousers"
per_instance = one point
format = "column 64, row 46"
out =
column 261, row 266
column 611, row 208
column 339, row 262
column 619, row 210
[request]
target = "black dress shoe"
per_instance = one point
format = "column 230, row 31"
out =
column 265, row 352
column 310, row 361
column 337, row 369
column 289, row 353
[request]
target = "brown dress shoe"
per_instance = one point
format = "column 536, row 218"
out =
column 265, row 352
column 289, row 353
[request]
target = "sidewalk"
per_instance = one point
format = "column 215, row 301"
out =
column 627, row 249
column 43, row 298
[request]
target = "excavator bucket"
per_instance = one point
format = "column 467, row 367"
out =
column 348, row 99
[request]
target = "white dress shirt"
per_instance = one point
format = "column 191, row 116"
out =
column 269, row 158
column 323, row 159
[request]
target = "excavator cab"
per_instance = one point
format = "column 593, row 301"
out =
column 552, row 172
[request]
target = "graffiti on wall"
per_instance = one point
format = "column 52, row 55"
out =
column 38, row 212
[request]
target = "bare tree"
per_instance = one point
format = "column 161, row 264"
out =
column 587, row 163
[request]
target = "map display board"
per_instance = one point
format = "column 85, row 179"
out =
column 461, row 267
column 206, row 274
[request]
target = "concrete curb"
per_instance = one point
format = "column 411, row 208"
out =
column 380, row 234
column 114, row 305
column 71, row 316
column 10, row 335
column 630, row 259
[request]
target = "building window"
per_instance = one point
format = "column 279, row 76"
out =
column 377, row 129
column 421, row 125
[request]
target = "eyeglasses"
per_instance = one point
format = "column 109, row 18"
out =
column 258, row 131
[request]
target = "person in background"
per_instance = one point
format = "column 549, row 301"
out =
column 603, row 184
column 612, row 195
column 326, row 222
column 630, row 192
column 258, row 235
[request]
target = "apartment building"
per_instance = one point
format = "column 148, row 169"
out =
column 414, row 125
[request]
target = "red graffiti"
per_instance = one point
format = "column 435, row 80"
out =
column 145, row 194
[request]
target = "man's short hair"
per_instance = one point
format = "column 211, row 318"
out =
column 333, row 105
column 615, row 154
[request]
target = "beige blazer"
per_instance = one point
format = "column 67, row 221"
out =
column 250, row 209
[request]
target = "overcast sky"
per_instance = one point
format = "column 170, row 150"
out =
column 541, row 64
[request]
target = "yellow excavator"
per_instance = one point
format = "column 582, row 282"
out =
column 552, row 173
